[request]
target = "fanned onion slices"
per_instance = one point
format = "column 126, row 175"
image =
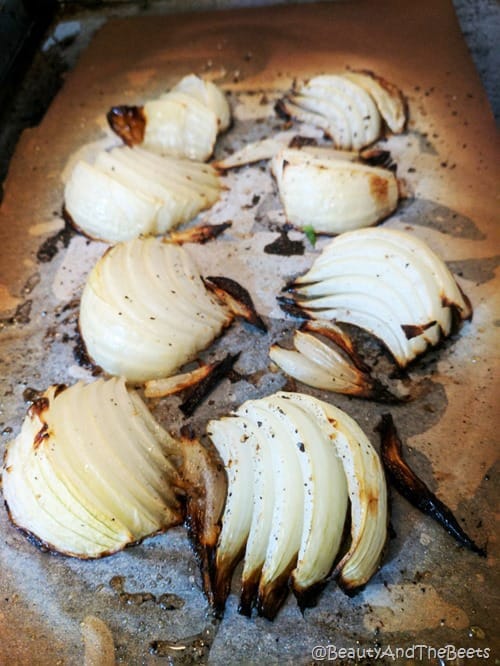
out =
column 293, row 462
column 332, row 195
column 145, row 311
column 349, row 107
column 387, row 282
column 128, row 192
column 91, row 471
column 183, row 122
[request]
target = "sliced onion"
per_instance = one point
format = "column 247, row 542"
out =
column 179, row 125
column 357, row 106
column 145, row 311
column 91, row 471
column 236, row 456
column 210, row 95
column 252, row 152
column 347, row 106
column 388, row 282
column 330, row 195
column 368, row 497
column 183, row 122
column 106, row 209
column 300, row 459
column 160, row 388
column 387, row 96
column 131, row 192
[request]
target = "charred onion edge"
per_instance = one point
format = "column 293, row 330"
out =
column 236, row 298
column 198, row 498
column 273, row 597
column 199, row 392
column 341, row 338
column 408, row 484
column 46, row 547
column 377, row 157
column 177, row 383
column 128, row 122
column 201, row 234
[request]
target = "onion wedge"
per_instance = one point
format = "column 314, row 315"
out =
column 349, row 107
column 91, row 471
column 325, row 493
column 356, row 105
column 407, row 483
column 332, row 196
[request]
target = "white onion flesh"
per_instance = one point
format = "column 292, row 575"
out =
column 367, row 494
column 128, row 193
column 180, row 125
column 388, row 282
column 236, row 455
column 210, row 95
column 306, row 458
column 319, row 365
column 356, row 103
column 349, row 107
column 387, row 96
column 252, row 152
column 91, row 471
column 288, row 507
column 330, row 195
column 145, row 311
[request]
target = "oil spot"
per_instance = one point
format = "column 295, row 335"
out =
column 476, row 270
column 428, row 213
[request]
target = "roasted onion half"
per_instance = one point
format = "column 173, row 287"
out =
column 387, row 282
column 91, row 471
column 128, row 192
column 332, row 195
column 348, row 107
column 145, row 310
column 293, row 462
column 183, row 122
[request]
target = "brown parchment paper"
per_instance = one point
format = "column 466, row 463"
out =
column 429, row 591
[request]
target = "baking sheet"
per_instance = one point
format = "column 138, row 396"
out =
column 429, row 591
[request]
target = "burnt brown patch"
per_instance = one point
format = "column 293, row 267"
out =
column 379, row 188
column 129, row 122
column 236, row 298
